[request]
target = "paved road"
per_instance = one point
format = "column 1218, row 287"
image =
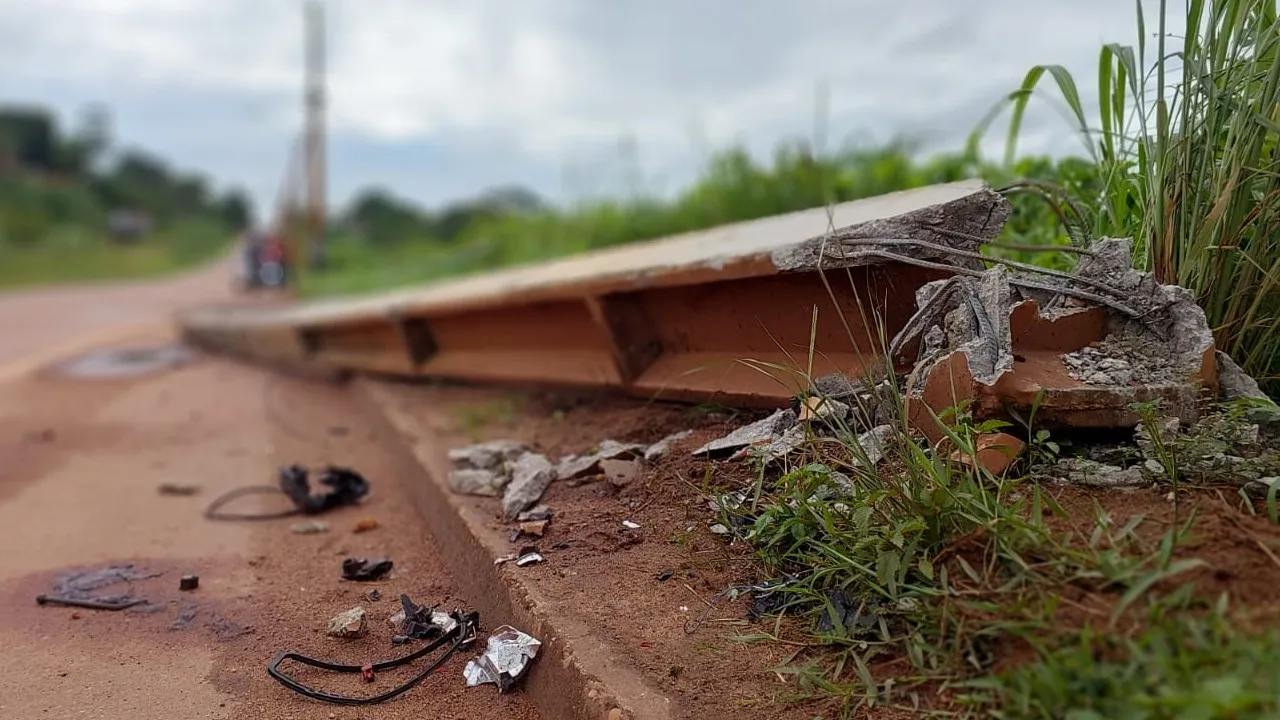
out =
column 80, row 464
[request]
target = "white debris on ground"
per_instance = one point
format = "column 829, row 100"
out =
column 507, row 655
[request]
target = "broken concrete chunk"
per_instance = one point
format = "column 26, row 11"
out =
column 487, row 455
column 477, row 482
column 530, row 476
column 757, row 433
column 1168, row 432
column 620, row 473
column 875, row 444
column 1261, row 488
column 540, row 512
column 663, row 446
column 349, row 624
column 995, row 451
column 1080, row 471
column 614, row 450
column 1234, row 383
column 777, row 449
column 574, row 466
column 533, row 528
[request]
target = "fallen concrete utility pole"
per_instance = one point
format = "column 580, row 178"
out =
column 725, row 314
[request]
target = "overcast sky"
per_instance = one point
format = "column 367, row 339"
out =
column 438, row 99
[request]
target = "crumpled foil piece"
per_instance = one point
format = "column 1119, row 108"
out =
column 504, row 660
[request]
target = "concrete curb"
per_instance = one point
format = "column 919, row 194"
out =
column 576, row 675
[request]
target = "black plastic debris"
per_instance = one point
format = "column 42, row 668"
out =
column 188, row 582
column 767, row 602
column 418, row 621
column 843, row 614
column 463, row 632
column 373, row 595
column 664, row 576
column 364, row 569
column 346, row 487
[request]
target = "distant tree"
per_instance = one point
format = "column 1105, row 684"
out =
column 236, row 210
column 28, row 138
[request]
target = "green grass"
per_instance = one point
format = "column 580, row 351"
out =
column 1185, row 151
column 950, row 567
column 732, row 187
column 71, row 257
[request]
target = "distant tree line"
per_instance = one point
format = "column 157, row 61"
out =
column 53, row 181
column 378, row 217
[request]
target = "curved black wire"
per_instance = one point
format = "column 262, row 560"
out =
column 463, row 633
column 211, row 512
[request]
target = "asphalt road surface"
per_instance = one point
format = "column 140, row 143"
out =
column 81, row 463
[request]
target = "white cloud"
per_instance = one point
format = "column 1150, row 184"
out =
column 557, row 79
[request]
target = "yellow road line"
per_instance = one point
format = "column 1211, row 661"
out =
column 27, row 364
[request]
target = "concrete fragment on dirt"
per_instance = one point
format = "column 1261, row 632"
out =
column 531, row 474
column 761, row 432
column 348, row 624
column 1003, row 341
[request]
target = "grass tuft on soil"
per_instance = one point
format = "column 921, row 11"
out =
column 926, row 584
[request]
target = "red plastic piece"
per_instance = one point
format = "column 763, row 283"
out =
column 366, row 672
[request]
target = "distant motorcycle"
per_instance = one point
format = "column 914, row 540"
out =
column 267, row 265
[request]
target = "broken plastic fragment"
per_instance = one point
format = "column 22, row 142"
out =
column 363, row 569
column 529, row 559
column 346, row 487
column 505, row 659
column 421, row 622
column 630, row 525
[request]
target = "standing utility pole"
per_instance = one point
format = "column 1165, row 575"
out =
column 315, row 130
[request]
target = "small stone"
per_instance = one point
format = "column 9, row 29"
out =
column 310, row 527
column 630, row 525
column 718, row 529
column 530, row 476
column 491, row 455
column 663, row 446
column 760, row 432
column 614, row 450
column 540, row 512
column 477, row 482
column 620, row 473
column 365, row 524
column 349, row 624
column 373, row 595
column 534, row 528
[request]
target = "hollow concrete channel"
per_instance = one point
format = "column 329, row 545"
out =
column 743, row 315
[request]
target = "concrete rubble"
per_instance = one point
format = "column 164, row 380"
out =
column 1086, row 350
column 1082, row 348
column 518, row 475
column 349, row 624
